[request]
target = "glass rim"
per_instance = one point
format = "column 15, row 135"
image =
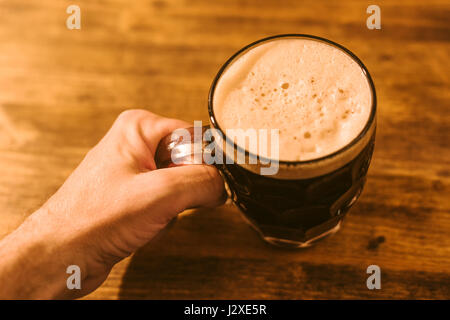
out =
column 247, row 153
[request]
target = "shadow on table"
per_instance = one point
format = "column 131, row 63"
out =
column 209, row 253
column 215, row 254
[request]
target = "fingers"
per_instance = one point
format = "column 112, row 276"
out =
column 174, row 189
column 151, row 127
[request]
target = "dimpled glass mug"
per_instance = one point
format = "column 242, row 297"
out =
column 303, row 201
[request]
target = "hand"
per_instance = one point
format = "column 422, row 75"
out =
column 112, row 204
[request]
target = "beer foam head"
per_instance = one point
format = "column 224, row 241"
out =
column 314, row 93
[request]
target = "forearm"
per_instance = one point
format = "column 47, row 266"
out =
column 31, row 265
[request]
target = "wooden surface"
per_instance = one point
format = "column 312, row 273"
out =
column 60, row 90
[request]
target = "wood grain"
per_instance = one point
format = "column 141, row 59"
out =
column 60, row 90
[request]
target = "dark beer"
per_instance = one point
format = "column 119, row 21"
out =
column 297, row 212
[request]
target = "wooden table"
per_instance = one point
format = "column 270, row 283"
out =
column 61, row 89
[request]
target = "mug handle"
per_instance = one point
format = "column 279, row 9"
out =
column 174, row 150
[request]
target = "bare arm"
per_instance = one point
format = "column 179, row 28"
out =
column 112, row 204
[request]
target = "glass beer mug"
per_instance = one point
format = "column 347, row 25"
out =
column 304, row 201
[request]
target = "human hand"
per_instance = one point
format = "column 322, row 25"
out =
column 112, row 204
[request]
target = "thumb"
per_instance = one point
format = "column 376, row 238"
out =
column 186, row 186
column 194, row 185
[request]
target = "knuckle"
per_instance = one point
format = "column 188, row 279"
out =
column 132, row 119
column 132, row 115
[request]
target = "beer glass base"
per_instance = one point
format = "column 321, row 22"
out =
column 296, row 244
column 286, row 243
